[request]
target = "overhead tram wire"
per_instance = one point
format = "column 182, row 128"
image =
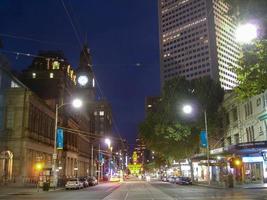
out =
column 30, row 39
column 17, row 53
column 80, row 44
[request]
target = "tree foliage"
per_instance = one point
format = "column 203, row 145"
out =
column 252, row 71
column 168, row 131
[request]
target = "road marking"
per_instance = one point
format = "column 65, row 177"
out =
column 126, row 196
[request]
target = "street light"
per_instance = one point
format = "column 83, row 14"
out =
column 187, row 109
column 108, row 142
column 245, row 33
column 76, row 103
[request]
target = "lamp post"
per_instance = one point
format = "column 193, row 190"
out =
column 108, row 143
column 76, row 103
column 187, row 109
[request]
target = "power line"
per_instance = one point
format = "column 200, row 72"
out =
column 79, row 41
column 17, row 53
column 30, row 39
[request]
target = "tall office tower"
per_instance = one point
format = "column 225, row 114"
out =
column 197, row 40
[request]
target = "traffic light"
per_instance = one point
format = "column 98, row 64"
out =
column 235, row 162
column 39, row 166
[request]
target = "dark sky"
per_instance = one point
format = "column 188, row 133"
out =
column 121, row 33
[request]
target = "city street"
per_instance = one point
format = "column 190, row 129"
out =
column 141, row 190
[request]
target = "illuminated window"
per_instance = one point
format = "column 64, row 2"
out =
column 51, row 75
column 33, row 75
column 55, row 65
column 149, row 106
column 101, row 113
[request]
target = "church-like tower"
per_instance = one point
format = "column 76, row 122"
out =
column 85, row 76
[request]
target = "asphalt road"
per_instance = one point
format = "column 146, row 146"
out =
column 141, row 190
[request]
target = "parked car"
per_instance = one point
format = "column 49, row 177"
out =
column 92, row 181
column 172, row 179
column 164, row 178
column 74, row 183
column 84, row 181
column 184, row 180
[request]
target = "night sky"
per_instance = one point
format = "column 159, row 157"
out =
column 122, row 36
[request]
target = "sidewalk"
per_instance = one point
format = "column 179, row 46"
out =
column 23, row 190
column 241, row 186
column 212, row 185
column 253, row 186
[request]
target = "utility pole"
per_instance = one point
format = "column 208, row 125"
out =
column 208, row 149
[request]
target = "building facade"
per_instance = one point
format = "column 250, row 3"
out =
column 7, row 82
column 103, row 118
column 197, row 40
column 30, row 114
column 246, row 134
column 245, row 138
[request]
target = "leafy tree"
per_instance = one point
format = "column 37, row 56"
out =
column 252, row 70
column 168, row 131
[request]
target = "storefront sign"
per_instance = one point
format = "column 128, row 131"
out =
column 60, row 139
column 252, row 159
column 216, row 151
column 260, row 144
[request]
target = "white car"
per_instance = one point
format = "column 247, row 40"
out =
column 74, row 183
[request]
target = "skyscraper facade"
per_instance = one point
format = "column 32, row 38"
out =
column 196, row 40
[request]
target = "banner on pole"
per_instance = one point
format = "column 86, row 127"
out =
column 203, row 139
column 60, row 138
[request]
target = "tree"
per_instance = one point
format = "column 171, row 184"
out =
column 168, row 131
column 252, row 69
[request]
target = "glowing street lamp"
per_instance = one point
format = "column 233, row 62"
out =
column 108, row 142
column 246, row 33
column 76, row 103
column 188, row 109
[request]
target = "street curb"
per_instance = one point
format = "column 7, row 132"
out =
column 210, row 186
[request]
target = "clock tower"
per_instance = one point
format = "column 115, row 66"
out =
column 85, row 76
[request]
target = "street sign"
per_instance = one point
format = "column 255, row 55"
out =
column 60, row 138
column 54, row 156
column 203, row 139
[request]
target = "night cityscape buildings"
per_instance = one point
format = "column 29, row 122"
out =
column 28, row 112
column 196, row 40
column 184, row 81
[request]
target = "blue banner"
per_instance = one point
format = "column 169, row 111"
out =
column 60, row 138
column 203, row 139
